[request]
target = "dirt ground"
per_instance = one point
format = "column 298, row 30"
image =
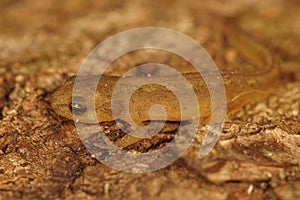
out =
column 42, row 43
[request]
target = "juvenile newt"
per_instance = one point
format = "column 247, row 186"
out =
column 241, row 87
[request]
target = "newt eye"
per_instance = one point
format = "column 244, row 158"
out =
column 77, row 106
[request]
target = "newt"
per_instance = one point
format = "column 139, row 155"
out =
column 241, row 87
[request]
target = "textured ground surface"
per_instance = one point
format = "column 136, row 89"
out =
column 41, row 155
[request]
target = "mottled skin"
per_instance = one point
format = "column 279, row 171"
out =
column 241, row 87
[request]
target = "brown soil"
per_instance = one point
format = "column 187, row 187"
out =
column 42, row 157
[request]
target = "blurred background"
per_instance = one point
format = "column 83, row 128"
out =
column 44, row 42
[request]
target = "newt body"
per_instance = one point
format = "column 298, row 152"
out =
column 241, row 88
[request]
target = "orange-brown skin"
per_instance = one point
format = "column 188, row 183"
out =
column 241, row 87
